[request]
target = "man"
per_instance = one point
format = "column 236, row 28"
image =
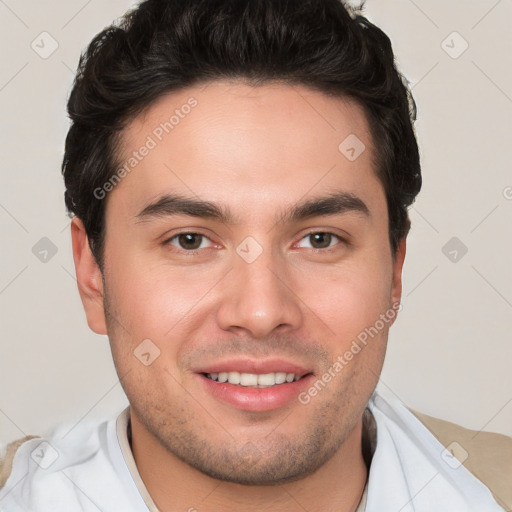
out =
column 239, row 174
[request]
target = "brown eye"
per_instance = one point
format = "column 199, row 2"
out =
column 321, row 240
column 188, row 241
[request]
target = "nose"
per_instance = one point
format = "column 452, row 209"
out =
column 258, row 298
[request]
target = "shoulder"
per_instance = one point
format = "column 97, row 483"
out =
column 7, row 458
column 71, row 466
column 487, row 455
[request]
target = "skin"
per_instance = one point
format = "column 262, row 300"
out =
column 256, row 150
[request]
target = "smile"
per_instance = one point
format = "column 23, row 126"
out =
column 254, row 380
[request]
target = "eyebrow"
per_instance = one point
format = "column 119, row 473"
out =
column 169, row 205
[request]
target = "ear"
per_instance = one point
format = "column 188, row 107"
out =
column 89, row 279
column 398, row 263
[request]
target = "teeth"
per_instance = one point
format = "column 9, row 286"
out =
column 252, row 379
column 266, row 379
column 234, row 378
column 280, row 378
column 248, row 379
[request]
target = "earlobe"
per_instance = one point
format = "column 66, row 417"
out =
column 398, row 262
column 89, row 278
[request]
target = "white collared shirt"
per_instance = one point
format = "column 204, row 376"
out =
column 92, row 469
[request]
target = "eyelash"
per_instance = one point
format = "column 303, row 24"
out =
column 315, row 250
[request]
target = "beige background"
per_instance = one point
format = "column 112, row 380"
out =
column 450, row 352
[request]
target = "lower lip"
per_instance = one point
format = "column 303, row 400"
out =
column 256, row 399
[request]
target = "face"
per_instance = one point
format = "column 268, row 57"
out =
column 244, row 243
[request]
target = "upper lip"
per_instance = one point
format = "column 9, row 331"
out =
column 254, row 366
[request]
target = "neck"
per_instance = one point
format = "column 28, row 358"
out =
column 176, row 486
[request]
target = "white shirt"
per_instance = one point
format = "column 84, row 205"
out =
column 91, row 469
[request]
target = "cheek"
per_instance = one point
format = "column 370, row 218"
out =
column 155, row 300
column 350, row 298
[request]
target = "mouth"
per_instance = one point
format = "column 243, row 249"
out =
column 255, row 385
column 254, row 380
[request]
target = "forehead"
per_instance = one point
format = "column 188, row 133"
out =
column 229, row 142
